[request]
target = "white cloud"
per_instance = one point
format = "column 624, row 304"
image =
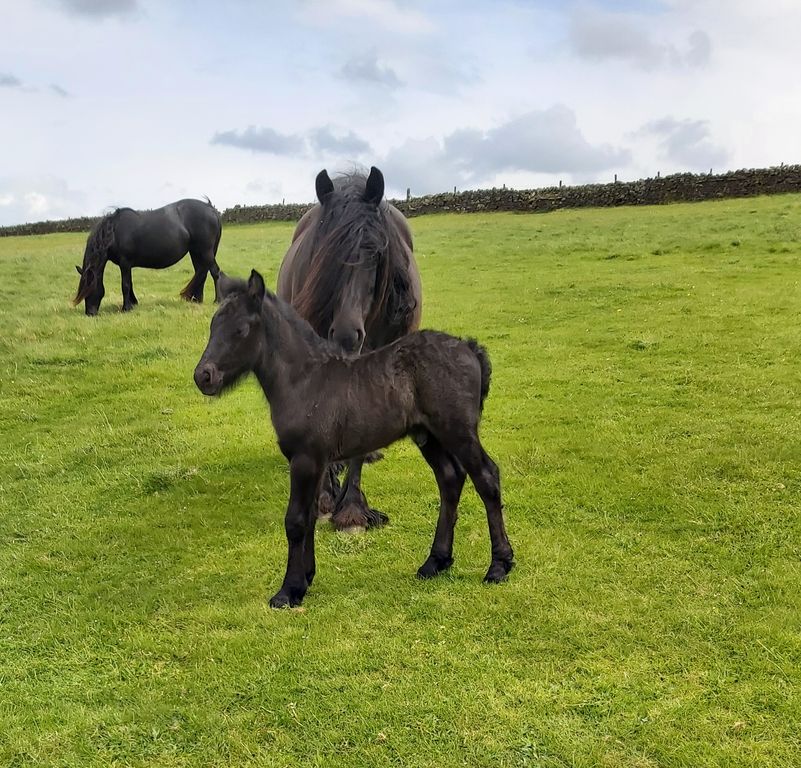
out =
column 599, row 35
column 100, row 9
column 33, row 198
column 686, row 143
column 386, row 14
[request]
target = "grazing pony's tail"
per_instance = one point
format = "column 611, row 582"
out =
column 486, row 368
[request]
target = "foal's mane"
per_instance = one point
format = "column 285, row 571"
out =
column 289, row 314
column 347, row 233
column 101, row 238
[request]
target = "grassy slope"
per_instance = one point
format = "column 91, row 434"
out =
column 644, row 415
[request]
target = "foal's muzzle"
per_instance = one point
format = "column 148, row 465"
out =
column 208, row 378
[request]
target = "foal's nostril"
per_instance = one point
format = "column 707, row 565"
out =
column 204, row 376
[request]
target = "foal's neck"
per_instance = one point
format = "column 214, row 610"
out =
column 291, row 347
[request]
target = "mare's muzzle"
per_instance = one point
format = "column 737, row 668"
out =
column 208, row 378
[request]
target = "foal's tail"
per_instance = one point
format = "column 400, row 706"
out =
column 486, row 367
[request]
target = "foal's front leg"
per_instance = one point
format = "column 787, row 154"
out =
column 305, row 476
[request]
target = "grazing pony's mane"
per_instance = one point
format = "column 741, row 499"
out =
column 350, row 232
column 100, row 240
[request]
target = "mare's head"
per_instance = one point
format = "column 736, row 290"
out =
column 235, row 341
column 90, row 286
column 350, row 261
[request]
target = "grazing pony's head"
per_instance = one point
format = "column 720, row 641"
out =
column 359, row 265
column 98, row 244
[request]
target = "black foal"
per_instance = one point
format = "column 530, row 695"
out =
column 327, row 407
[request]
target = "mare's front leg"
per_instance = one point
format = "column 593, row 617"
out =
column 305, row 476
column 352, row 510
column 128, row 298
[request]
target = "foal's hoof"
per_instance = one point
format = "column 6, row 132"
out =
column 499, row 570
column 284, row 600
column 433, row 566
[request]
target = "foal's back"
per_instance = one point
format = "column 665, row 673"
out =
column 349, row 406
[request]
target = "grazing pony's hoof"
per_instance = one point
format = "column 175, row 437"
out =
column 499, row 570
column 433, row 566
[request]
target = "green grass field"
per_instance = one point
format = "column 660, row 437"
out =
column 644, row 413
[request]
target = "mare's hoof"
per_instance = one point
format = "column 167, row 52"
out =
column 433, row 566
column 326, row 506
column 376, row 518
column 499, row 570
column 350, row 518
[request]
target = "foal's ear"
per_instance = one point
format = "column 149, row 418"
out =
column 374, row 189
column 323, row 185
column 78, row 269
column 224, row 285
column 255, row 290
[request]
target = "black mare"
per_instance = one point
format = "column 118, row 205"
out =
column 326, row 406
column 153, row 239
column 350, row 272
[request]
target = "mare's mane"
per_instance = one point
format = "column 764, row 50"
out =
column 347, row 233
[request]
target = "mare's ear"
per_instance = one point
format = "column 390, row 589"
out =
column 323, row 185
column 374, row 189
column 255, row 290
column 224, row 284
column 78, row 269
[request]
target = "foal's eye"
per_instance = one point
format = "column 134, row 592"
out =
column 243, row 330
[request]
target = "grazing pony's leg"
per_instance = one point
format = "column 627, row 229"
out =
column 129, row 300
column 194, row 288
column 450, row 477
column 305, row 474
column 484, row 473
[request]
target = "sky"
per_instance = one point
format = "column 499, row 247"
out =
column 142, row 102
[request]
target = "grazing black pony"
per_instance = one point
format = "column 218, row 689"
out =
column 154, row 239
column 326, row 406
column 350, row 272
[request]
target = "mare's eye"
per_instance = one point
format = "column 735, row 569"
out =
column 243, row 330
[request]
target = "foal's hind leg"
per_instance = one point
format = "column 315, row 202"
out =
column 484, row 473
column 450, row 477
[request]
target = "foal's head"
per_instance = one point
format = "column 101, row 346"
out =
column 235, row 342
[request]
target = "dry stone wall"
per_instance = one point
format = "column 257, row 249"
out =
column 683, row 187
